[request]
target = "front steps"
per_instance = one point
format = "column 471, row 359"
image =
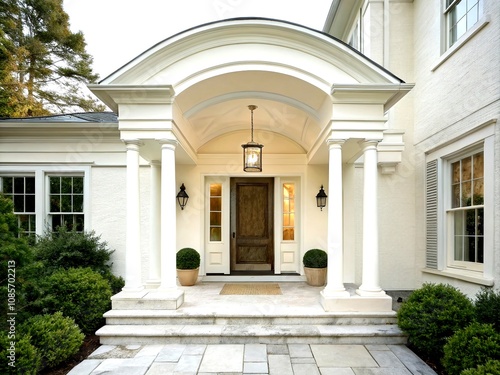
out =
column 207, row 318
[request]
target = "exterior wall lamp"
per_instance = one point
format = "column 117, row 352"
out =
column 321, row 198
column 252, row 151
column 182, row 197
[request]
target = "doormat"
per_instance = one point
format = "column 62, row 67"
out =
column 251, row 289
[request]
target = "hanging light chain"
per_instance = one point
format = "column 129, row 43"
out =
column 252, row 108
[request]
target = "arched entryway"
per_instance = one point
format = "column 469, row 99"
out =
column 321, row 107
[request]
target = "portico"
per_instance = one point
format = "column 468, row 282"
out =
column 183, row 116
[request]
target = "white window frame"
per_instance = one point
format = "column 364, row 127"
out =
column 448, row 11
column 449, row 212
column 42, row 203
column 482, row 137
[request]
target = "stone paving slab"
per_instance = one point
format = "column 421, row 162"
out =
column 254, row 359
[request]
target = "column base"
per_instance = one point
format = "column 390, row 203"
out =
column 136, row 289
column 370, row 293
column 153, row 284
column 148, row 300
column 356, row 303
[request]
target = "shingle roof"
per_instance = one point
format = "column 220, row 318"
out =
column 68, row 117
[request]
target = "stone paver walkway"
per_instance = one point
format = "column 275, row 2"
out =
column 290, row 359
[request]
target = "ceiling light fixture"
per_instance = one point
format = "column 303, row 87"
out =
column 252, row 151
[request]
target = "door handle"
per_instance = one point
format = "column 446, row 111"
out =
column 234, row 234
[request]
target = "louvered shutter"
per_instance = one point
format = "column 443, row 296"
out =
column 431, row 204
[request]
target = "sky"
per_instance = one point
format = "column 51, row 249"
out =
column 116, row 31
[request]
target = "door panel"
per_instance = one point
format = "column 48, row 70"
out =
column 252, row 246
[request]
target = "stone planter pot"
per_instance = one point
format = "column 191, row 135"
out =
column 187, row 277
column 315, row 276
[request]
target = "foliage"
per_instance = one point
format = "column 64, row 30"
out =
column 487, row 305
column 55, row 336
column 16, row 260
column 44, row 66
column 187, row 259
column 70, row 249
column 433, row 313
column 79, row 293
column 27, row 357
column 470, row 347
column 315, row 258
column 491, row 367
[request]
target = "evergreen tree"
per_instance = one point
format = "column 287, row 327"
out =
column 43, row 65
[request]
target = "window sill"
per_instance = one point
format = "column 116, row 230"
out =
column 469, row 276
column 464, row 39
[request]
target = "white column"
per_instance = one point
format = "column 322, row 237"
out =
column 133, row 281
column 168, row 216
column 155, row 238
column 335, row 279
column 370, row 276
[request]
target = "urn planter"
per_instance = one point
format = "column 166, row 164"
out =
column 315, row 276
column 187, row 277
column 188, row 266
column 315, row 266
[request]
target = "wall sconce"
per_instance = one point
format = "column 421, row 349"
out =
column 182, row 197
column 321, row 198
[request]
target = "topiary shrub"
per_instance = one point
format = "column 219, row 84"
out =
column 18, row 355
column 55, row 336
column 470, row 347
column 487, row 305
column 187, row 259
column 71, row 249
column 79, row 293
column 490, row 368
column 315, row 258
column 431, row 314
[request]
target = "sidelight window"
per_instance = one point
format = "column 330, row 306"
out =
column 288, row 212
column 216, row 212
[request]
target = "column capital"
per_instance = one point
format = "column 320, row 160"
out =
column 132, row 144
column 168, row 143
column 369, row 144
column 337, row 143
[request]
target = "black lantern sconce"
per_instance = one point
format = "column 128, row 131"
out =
column 252, row 151
column 321, row 198
column 182, row 197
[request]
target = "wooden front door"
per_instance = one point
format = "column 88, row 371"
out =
column 252, row 244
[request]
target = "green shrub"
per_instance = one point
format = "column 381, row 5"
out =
column 487, row 305
column 71, row 249
column 26, row 357
column 16, row 259
column 315, row 258
column 433, row 313
column 79, row 293
column 470, row 347
column 490, row 368
column 55, row 336
column 187, row 259
column 115, row 282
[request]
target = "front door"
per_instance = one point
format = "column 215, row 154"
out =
column 252, row 245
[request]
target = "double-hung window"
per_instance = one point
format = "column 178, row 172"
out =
column 466, row 211
column 460, row 207
column 46, row 197
column 460, row 16
column 66, row 202
column 21, row 190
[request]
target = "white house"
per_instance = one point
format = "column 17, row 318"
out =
column 392, row 108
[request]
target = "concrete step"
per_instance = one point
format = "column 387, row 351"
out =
column 175, row 317
column 387, row 334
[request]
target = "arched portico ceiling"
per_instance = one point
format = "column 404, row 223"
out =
column 216, row 70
